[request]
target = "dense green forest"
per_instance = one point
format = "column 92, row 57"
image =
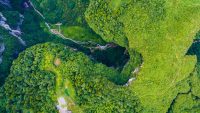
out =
column 99, row 56
column 54, row 70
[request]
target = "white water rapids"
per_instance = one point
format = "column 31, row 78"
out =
column 14, row 32
column 135, row 72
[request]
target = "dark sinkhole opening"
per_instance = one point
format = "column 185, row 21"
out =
column 195, row 50
column 126, row 61
column 195, row 47
column 113, row 56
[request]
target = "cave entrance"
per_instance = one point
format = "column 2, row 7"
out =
column 112, row 55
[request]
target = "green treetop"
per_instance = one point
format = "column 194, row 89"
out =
column 162, row 31
column 44, row 73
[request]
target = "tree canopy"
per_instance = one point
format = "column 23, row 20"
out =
column 162, row 74
column 45, row 72
column 69, row 12
column 161, row 31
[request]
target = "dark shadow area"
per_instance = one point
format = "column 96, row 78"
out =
column 195, row 47
column 195, row 50
column 115, row 56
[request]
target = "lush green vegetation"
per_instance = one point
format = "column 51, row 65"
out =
column 166, row 33
column 162, row 32
column 188, row 102
column 103, row 16
column 2, row 101
column 43, row 73
column 155, row 34
column 162, row 35
column 34, row 32
column 12, row 47
column 192, row 105
column 69, row 12
column 81, row 34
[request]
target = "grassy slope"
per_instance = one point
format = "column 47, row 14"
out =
column 81, row 34
column 162, row 35
column 71, row 14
